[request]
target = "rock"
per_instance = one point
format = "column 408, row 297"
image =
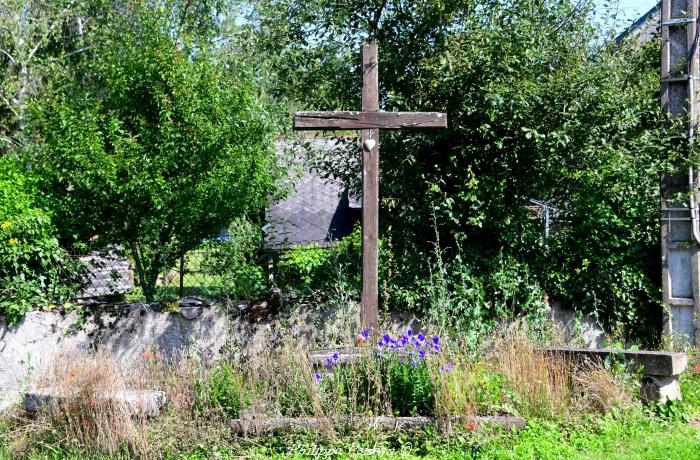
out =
column 144, row 403
column 190, row 313
column 258, row 312
column 574, row 326
column 274, row 297
column 658, row 388
column 193, row 301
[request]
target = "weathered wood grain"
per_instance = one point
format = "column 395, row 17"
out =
column 366, row 120
column 370, row 192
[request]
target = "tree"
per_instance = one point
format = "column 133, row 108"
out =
column 540, row 104
column 150, row 143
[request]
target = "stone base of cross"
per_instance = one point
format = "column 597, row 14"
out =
column 369, row 121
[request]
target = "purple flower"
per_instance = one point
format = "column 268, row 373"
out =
column 380, row 344
column 436, row 340
column 386, row 339
column 317, row 377
column 329, row 363
column 409, row 333
column 436, row 348
column 414, row 363
column 364, row 334
column 420, row 338
column 421, row 354
column 403, row 341
column 446, row 368
column 335, row 357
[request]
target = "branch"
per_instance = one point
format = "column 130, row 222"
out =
column 9, row 105
column 48, row 32
column 8, row 56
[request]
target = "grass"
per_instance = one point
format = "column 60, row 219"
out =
column 585, row 413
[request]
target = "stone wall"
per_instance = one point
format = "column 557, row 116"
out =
column 126, row 331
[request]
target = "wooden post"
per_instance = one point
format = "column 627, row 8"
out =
column 369, row 121
column 370, row 191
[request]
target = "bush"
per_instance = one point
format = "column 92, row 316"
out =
column 225, row 390
column 235, row 261
column 34, row 269
column 151, row 143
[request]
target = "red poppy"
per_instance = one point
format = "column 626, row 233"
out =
column 470, row 425
column 360, row 340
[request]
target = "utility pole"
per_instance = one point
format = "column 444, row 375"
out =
column 680, row 227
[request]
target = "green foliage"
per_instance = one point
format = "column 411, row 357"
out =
column 223, row 390
column 410, row 388
column 151, row 143
column 539, row 106
column 235, row 260
column 313, row 268
column 34, row 269
column 306, row 268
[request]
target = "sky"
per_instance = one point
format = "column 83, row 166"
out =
column 628, row 10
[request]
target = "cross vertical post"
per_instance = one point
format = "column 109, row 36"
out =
column 369, row 121
column 370, row 192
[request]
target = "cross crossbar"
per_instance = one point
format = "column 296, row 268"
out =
column 369, row 120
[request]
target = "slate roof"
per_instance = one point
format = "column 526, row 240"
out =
column 645, row 28
column 318, row 210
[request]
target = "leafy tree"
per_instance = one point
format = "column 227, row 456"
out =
column 540, row 106
column 150, row 143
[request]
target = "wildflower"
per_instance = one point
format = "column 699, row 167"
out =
column 403, row 341
column 6, row 225
column 317, row 377
column 696, row 369
column 436, row 348
column 470, row 425
column 364, row 334
column 14, row 241
column 409, row 333
column 436, row 340
column 446, row 368
column 386, row 339
column 414, row 363
column 332, row 360
column 421, row 354
column 92, row 402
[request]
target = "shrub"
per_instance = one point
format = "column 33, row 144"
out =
column 235, row 261
column 34, row 269
column 152, row 142
column 225, row 390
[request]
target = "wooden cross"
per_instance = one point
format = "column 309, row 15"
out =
column 369, row 121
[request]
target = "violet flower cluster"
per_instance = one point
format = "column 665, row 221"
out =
column 418, row 345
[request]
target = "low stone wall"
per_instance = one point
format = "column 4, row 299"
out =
column 126, row 331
